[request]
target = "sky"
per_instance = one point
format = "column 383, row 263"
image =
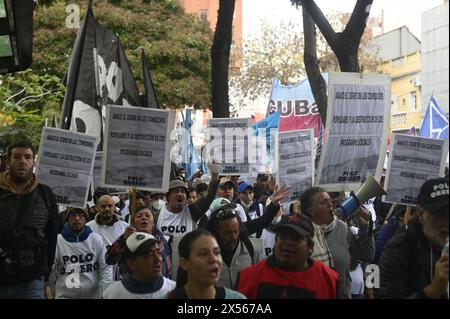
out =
column 397, row 13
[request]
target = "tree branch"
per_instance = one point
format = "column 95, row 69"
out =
column 316, row 81
column 355, row 27
column 322, row 23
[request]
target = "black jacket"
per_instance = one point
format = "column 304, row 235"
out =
column 407, row 264
column 40, row 225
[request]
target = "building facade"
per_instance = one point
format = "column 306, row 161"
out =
column 435, row 60
column 399, row 51
column 207, row 11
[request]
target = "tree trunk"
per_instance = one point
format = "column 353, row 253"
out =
column 344, row 45
column 220, row 58
column 318, row 85
column 348, row 59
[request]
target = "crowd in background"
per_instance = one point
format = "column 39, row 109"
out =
column 216, row 236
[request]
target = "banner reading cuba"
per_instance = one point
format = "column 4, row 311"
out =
column 296, row 105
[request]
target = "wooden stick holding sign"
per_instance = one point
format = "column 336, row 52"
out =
column 133, row 204
column 408, row 214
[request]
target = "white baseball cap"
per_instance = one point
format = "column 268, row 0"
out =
column 135, row 240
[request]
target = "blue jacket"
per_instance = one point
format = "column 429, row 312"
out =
column 72, row 238
column 384, row 235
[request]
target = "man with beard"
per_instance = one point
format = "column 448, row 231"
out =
column 80, row 267
column 177, row 217
column 107, row 223
column 237, row 249
column 411, row 264
column 28, row 226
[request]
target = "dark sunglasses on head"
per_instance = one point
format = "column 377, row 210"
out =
column 223, row 214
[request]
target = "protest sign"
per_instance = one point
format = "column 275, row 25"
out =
column 96, row 176
column 229, row 144
column 412, row 161
column 96, row 171
column 357, row 129
column 136, row 148
column 294, row 153
column 65, row 162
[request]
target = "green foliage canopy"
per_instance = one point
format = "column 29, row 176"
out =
column 176, row 44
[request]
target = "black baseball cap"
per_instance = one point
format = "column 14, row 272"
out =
column 433, row 195
column 300, row 223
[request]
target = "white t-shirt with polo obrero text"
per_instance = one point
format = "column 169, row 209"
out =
column 171, row 224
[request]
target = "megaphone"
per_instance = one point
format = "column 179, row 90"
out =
column 370, row 188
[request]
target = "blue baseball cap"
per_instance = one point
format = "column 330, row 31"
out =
column 243, row 186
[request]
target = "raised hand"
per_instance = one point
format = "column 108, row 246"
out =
column 280, row 193
column 214, row 168
column 272, row 183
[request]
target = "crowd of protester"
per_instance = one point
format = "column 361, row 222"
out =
column 214, row 236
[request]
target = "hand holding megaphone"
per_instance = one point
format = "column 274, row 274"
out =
column 370, row 188
column 362, row 216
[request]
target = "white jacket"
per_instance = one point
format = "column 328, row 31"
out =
column 80, row 268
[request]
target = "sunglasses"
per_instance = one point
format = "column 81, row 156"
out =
column 223, row 214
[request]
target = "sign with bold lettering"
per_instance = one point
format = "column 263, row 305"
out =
column 230, row 145
column 294, row 153
column 136, row 148
column 65, row 163
column 357, row 129
column 412, row 161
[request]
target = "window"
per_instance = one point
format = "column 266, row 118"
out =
column 5, row 46
column 413, row 101
column 16, row 38
column 2, row 10
column 5, row 41
column 204, row 15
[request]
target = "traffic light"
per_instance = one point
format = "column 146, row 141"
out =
column 16, row 35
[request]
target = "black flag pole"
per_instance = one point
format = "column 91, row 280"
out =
column 54, row 121
column 74, row 70
column 151, row 100
column 97, row 52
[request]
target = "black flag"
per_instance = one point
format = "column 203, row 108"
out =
column 150, row 96
column 99, row 74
